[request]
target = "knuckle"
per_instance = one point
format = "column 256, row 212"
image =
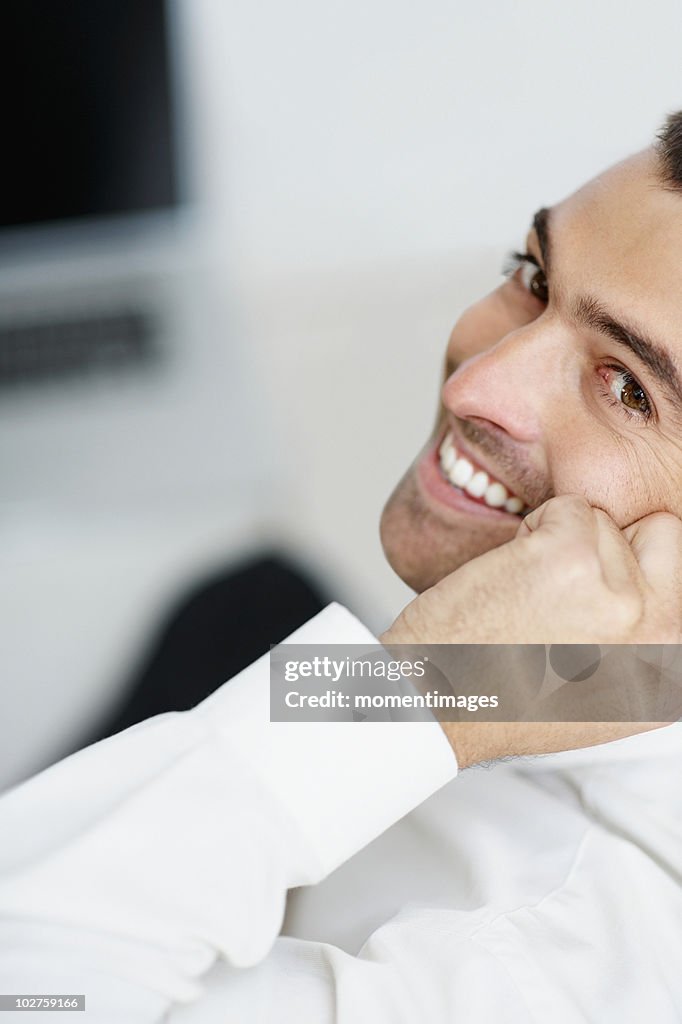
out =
column 667, row 521
column 571, row 502
column 576, row 561
column 626, row 610
column 667, row 524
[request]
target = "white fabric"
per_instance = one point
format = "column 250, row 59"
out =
column 150, row 872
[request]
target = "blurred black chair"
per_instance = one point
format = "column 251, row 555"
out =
column 213, row 632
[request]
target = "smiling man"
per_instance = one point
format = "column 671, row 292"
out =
column 564, row 380
column 150, row 871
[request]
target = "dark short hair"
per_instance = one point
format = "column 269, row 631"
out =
column 669, row 149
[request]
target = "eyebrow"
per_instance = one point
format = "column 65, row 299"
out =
column 541, row 225
column 589, row 312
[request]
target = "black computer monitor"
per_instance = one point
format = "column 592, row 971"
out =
column 86, row 118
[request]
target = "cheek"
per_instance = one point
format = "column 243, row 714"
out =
column 612, row 474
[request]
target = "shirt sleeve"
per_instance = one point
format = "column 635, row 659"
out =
column 130, row 869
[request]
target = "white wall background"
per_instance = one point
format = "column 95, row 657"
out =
column 359, row 170
column 368, row 164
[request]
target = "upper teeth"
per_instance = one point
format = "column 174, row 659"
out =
column 475, row 482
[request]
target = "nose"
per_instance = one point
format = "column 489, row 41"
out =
column 512, row 385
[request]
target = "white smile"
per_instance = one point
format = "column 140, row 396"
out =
column 465, row 476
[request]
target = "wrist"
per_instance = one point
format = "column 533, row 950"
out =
column 477, row 742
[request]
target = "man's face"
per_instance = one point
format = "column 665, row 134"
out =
column 564, row 380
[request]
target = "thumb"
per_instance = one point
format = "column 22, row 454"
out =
column 656, row 542
column 568, row 513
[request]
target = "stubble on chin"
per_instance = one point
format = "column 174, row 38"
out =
column 414, row 542
column 419, row 546
column 400, row 528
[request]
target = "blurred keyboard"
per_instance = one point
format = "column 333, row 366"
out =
column 76, row 345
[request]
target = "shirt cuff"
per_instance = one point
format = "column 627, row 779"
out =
column 343, row 783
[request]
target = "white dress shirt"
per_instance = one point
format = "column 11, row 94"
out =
column 150, row 872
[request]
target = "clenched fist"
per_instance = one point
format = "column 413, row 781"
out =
column 570, row 576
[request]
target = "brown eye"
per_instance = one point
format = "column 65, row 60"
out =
column 632, row 395
column 525, row 267
column 626, row 393
column 534, row 280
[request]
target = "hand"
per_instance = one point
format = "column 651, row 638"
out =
column 569, row 576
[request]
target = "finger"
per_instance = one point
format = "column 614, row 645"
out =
column 585, row 527
column 618, row 562
column 656, row 543
column 566, row 514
